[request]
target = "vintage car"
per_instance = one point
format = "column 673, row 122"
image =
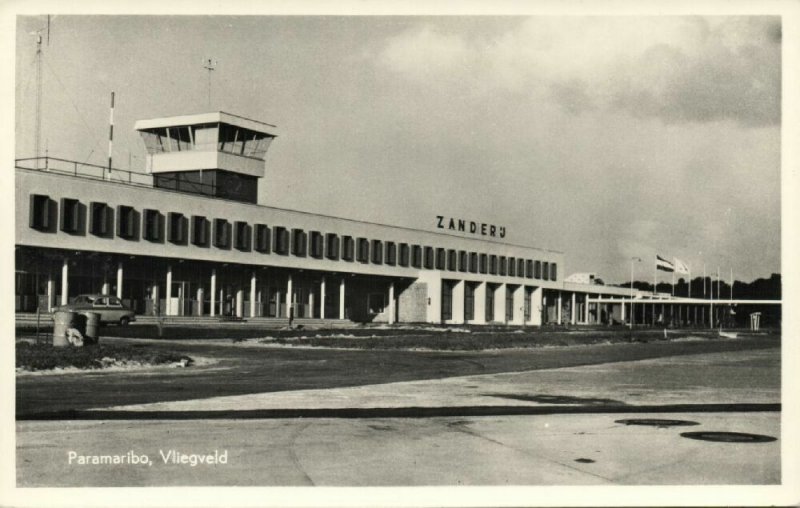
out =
column 109, row 307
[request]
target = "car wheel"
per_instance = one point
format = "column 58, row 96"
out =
column 123, row 321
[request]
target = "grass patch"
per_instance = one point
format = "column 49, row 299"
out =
column 35, row 357
column 482, row 341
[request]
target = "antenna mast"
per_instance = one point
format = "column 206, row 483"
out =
column 209, row 64
column 38, row 127
column 110, row 134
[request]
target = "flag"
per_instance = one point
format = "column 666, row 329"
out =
column 663, row 264
column 680, row 266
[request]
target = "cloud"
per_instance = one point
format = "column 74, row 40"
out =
column 677, row 69
column 734, row 74
column 424, row 53
column 573, row 95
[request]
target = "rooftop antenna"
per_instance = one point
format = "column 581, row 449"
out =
column 209, row 64
column 110, row 136
column 38, row 127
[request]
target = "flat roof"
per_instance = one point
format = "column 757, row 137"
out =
column 52, row 171
column 206, row 118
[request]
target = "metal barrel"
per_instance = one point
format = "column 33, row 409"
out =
column 92, row 335
column 62, row 320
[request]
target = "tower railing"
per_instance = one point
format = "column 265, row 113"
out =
column 97, row 172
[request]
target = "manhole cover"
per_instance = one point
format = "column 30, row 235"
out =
column 657, row 422
column 729, row 437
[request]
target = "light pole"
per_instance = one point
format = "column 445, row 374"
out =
column 633, row 316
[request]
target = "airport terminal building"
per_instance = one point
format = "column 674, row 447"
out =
column 188, row 238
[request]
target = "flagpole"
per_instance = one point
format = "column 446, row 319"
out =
column 632, row 317
column 690, row 282
column 655, row 274
column 704, row 280
column 711, row 306
column 719, row 294
column 731, row 296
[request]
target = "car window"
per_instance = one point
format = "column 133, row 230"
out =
column 88, row 299
column 100, row 302
column 113, row 300
column 79, row 300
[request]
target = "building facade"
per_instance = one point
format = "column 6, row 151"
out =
column 188, row 238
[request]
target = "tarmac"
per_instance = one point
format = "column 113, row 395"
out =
column 718, row 378
column 545, row 427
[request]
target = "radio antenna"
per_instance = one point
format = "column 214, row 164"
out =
column 38, row 128
column 209, row 64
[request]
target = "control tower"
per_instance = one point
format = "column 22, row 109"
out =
column 216, row 154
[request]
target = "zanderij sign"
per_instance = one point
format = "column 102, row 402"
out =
column 464, row 226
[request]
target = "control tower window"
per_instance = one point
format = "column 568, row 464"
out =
column 239, row 141
column 207, row 138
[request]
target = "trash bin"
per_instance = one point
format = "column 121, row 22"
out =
column 62, row 321
column 92, row 335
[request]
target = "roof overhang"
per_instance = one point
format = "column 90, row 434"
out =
column 207, row 118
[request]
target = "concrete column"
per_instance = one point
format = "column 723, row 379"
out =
column 632, row 316
column 322, row 298
column 586, row 314
column 168, row 296
column 253, row 283
column 221, row 301
column 500, row 303
column 106, row 289
column 519, row 305
column 573, row 313
column 199, row 300
column 50, row 291
column 157, row 310
column 622, row 309
column 458, row 302
column 558, row 309
column 711, row 316
column 289, row 294
column 65, row 282
column 393, row 305
column 240, row 302
column 119, row 280
column 545, row 317
column 480, row 304
column 341, row 299
column 310, row 309
column 213, row 311
column 536, row 307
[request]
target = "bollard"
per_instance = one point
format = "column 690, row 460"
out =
column 62, row 320
column 92, row 335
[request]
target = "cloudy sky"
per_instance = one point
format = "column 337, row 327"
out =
column 603, row 137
